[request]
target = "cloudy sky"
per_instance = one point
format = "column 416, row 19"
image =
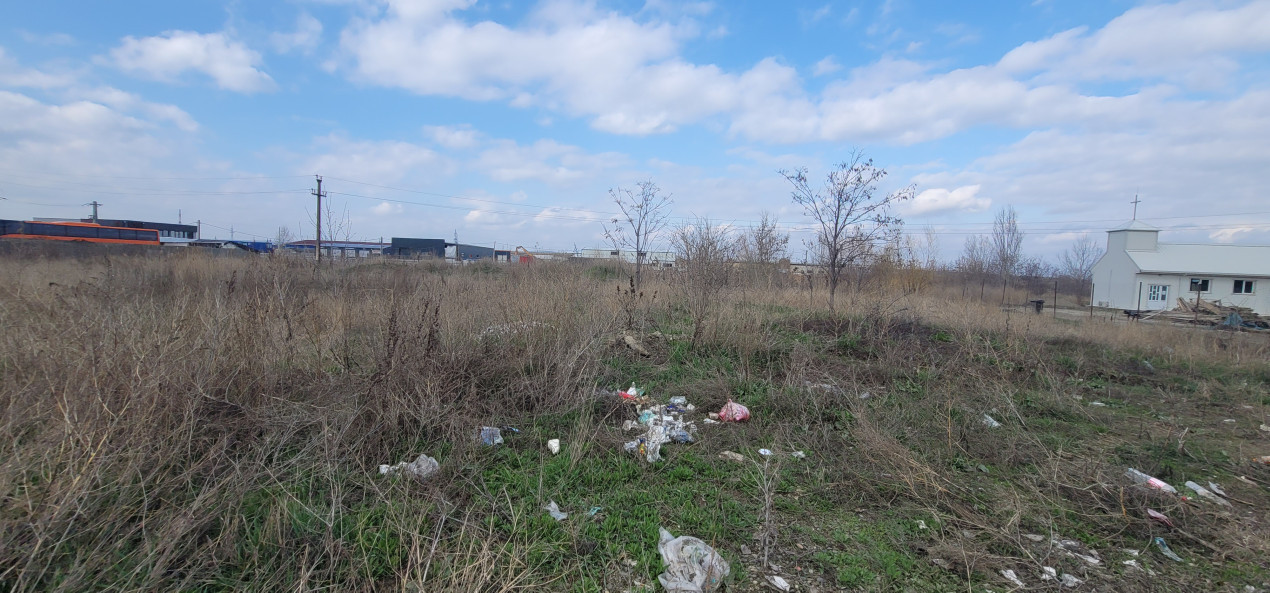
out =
column 508, row 122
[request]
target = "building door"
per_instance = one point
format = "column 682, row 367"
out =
column 1157, row 297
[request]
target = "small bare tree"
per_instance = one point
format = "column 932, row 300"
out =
column 704, row 253
column 1007, row 245
column 761, row 248
column 645, row 211
column 975, row 261
column 1077, row 262
column 849, row 212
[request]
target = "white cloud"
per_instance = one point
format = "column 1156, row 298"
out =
column 547, row 161
column 1189, row 42
column 628, row 76
column 827, row 65
column 307, row 34
column 936, row 200
column 230, row 63
column 61, row 39
column 125, row 101
column 453, row 137
column 14, row 75
column 387, row 209
column 383, row 161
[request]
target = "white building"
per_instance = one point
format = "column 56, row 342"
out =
column 657, row 259
column 1138, row 272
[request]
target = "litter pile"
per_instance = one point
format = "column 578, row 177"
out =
column 667, row 423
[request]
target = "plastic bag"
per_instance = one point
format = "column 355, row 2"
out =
column 555, row 512
column 1141, row 478
column 420, row 468
column 692, row 566
column 734, row 412
column 490, row 436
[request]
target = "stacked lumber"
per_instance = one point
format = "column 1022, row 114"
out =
column 1212, row 313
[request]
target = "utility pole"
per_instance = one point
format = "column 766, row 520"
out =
column 178, row 216
column 231, row 232
column 94, row 204
column 198, row 233
column 319, row 193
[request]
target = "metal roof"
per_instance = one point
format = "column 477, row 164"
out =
column 1134, row 225
column 1211, row 260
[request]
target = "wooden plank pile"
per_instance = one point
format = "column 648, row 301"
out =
column 1210, row 313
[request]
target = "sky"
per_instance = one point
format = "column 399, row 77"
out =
column 508, row 123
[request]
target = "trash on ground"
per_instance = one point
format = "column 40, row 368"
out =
column 734, row 412
column 629, row 424
column 490, row 436
column 1164, row 549
column 778, row 582
column 798, row 455
column 679, row 400
column 1161, row 517
column 709, row 421
column 555, row 511
column 593, row 511
column 1141, row 478
column 1263, row 459
column 990, row 422
column 1078, row 550
column 922, row 525
column 1215, row 488
column 1034, row 537
column 1206, row 494
column 553, row 445
column 865, row 395
column 1098, row 404
column 692, row 566
column 1013, row 578
column 632, row 393
column 662, row 428
column 1265, row 428
column 731, row 456
column 713, row 415
column 1070, row 581
column 1048, row 573
column 765, row 452
column 1229, row 421
column 420, row 468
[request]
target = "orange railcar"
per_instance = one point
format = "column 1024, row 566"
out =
column 76, row 231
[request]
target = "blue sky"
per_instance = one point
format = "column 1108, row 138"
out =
column 509, row 122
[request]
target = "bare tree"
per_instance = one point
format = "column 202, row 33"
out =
column 281, row 239
column 1077, row 262
column 975, row 261
column 704, row 253
column 762, row 247
column 928, row 248
column 644, row 214
column 1007, row 245
column 849, row 212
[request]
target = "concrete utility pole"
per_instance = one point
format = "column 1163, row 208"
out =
column 94, row 204
column 198, row 233
column 319, row 193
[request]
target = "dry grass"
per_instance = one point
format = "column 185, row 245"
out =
column 198, row 423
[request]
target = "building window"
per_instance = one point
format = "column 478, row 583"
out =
column 1199, row 285
column 1243, row 286
column 614, row 253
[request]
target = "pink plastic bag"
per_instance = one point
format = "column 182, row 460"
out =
column 734, row 412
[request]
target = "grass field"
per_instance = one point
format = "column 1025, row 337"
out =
column 186, row 423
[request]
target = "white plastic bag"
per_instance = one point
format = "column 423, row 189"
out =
column 420, row 468
column 692, row 566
